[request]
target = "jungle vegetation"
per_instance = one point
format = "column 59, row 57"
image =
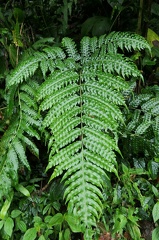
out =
column 79, row 120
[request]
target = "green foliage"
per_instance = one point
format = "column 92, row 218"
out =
column 77, row 108
column 23, row 127
column 96, row 25
column 32, row 214
column 142, row 123
column 130, row 185
column 139, row 145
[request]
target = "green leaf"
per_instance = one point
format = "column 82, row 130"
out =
column 5, row 207
column 119, row 222
column 1, row 224
column 57, row 219
column 15, row 213
column 134, row 231
column 88, row 25
column 155, row 191
column 37, row 219
column 67, row 234
column 18, row 14
column 23, row 190
column 155, row 234
column 153, row 169
column 73, row 222
column 30, row 234
column 152, row 36
column 155, row 52
column 101, row 26
column 8, row 226
column 21, row 225
column 155, row 212
column 125, row 169
column 42, row 237
column 46, row 208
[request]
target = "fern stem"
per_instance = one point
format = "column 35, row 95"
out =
column 116, row 18
column 20, row 111
column 82, row 153
column 81, row 106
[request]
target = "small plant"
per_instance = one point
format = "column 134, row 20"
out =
column 72, row 99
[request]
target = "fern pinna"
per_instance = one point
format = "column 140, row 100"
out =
column 79, row 102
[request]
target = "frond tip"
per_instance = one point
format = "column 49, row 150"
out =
column 24, row 70
column 129, row 41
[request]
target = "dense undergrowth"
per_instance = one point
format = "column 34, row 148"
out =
column 79, row 126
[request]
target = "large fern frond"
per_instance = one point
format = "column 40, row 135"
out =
column 83, row 115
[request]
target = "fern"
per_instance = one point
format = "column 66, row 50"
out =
column 80, row 103
column 18, row 136
column 143, row 125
